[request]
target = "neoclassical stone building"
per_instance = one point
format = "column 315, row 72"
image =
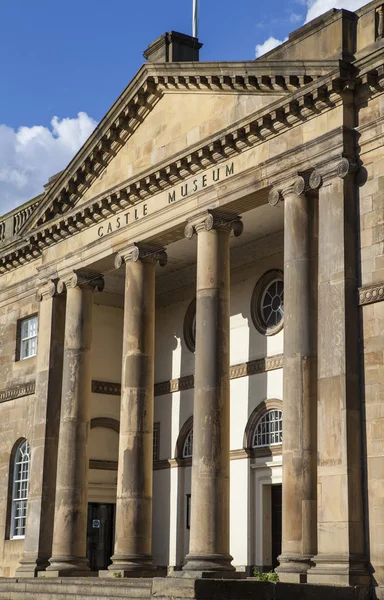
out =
column 191, row 324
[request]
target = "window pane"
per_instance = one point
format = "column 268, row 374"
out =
column 20, row 489
column 28, row 337
column 269, row 430
column 188, row 445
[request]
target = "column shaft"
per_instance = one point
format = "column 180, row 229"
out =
column 133, row 540
column 45, row 434
column 341, row 546
column 299, row 430
column 71, row 506
column 209, row 534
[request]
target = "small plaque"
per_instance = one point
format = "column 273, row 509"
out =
column 96, row 524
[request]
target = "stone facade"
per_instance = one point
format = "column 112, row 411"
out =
column 147, row 264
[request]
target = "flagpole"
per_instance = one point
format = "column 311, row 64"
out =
column 195, row 19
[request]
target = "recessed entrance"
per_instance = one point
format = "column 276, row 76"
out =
column 276, row 502
column 100, row 535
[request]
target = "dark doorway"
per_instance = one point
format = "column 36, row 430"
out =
column 100, row 535
column 276, row 523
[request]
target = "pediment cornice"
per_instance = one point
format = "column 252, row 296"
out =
column 303, row 96
column 143, row 93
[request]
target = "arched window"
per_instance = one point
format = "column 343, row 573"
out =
column 20, row 487
column 188, row 445
column 269, row 430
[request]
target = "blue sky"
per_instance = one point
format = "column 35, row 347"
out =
column 63, row 64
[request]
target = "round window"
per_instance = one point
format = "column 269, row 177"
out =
column 190, row 326
column 267, row 307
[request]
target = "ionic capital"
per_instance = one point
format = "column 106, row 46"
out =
column 79, row 280
column 339, row 167
column 210, row 220
column 315, row 180
column 135, row 252
column 346, row 167
column 298, row 187
column 275, row 196
column 46, row 291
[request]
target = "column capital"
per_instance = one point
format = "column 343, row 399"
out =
column 136, row 251
column 339, row 167
column 208, row 220
column 79, row 280
column 297, row 186
column 47, row 290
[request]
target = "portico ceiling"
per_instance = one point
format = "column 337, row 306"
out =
column 261, row 223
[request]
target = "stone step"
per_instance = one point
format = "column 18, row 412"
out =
column 74, row 589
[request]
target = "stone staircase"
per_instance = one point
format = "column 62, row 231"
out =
column 74, row 589
column 86, row 588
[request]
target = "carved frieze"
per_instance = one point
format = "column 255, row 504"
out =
column 371, row 293
column 252, row 367
column 19, row 391
column 105, row 387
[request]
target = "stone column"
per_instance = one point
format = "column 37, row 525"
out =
column 209, row 534
column 341, row 556
column 299, row 387
column 71, row 504
column 133, row 538
column 44, row 433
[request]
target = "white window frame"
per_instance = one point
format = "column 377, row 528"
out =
column 20, row 487
column 26, row 339
column 262, row 438
column 188, row 444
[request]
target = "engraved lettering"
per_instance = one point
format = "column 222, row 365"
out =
column 229, row 170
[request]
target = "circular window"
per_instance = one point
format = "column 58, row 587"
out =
column 267, row 307
column 190, row 326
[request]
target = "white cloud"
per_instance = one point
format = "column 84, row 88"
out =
column 268, row 45
column 295, row 18
column 30, row 155
column 318, row 7
column 315, row 8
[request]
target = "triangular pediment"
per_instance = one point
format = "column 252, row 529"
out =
column 223, row 92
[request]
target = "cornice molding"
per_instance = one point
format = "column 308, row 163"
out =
column 312, row 96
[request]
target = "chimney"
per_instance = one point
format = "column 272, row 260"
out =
column 173, row 47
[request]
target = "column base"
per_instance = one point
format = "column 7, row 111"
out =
column 213, row 566
column 66, row 573
column 339, row 570
column 293, row 568
column 68, row 566
column 143, row 573
column 30, row 567
column 131, row 565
